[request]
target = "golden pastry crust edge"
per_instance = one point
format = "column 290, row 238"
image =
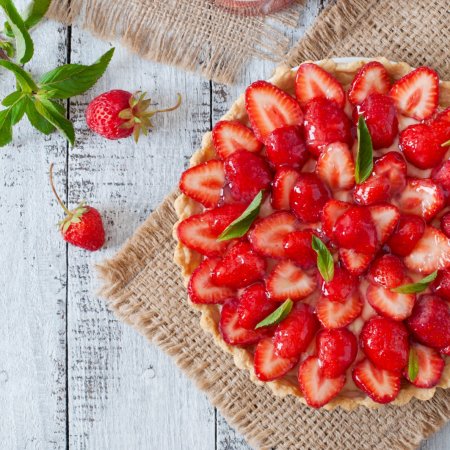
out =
column 188, row 260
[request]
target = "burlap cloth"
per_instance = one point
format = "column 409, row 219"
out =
column 144, row 286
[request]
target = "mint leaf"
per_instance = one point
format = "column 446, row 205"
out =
column 241, row 225
column 5, row 127
column 364, row 158
column 24, row 80
column 37, row 121
column 278, row 315
column 18, row 110
column 73, row 79
column 446, row 144
column 414, row 288
column 36, row 12
column 413, row 364
column 325, row 262
column 12, row 98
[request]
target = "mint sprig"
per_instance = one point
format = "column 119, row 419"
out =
column 278, row 315
column 364, row 158
column 446, row 144
column 414, row 288
column 413, row 365
column 325, row 262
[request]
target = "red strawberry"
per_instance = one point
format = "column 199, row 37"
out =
column 201, row 289
column 441, row 176
column 421, row 146
column 337, row 314
column 267, row 235
column 204, row 182
column 374, row 190
column 325, row 123
column 254, row 306
column 308, row 197
column 269, row 366
column 422, row 197
column 392, row 166
column 385, row 217
column 430, row 321
column 335, row 167
column 407, row 233
column 232, row 333
column 289, row 281
column 445, row 224
column 230, row 135
column 380, row 115
column 316, row 387
column 246, row 174
column 417, row 93
column 240, row 266
column 297, row 247
column 269, row 107
column 118, row 114
column 331, row 212
column 385, row 343
column 341, row 286
column 356, row 263
column 431, row 365
column 441, row 285
column 387, row 271
column 294, row 334
column 220, row 218
column 83, row 226
column 283, row 183
column 380, row 385
column 313, row 82
column 372, row 78
column 432, row 252
column 336, row 350
column 441, row 126
column 445, row 351
column 285, row 147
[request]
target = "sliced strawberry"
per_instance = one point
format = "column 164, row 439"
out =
column 417, row 93
column 313, row 82
column 204, row 182
column 231, row 135
column 269, row 107
column 445, row 351
column 431, row 365
column 441, row 176
column 385, row 217
column 432, row 252
column 232, row 333
column 422, row 197
column 341, row 286
column 331, row 212
column 298, row 248
column 201, row 289
column 287, row 280
column 407, row 233
column 356, row 263
column 445, row 224
column 372, row 78
column 267, row 236
column 283, row 183
column 387, row 271
column 380, row 385
column 392, row 166
column 374, row 190
column 441, row 285
column 318, row 389
column 220, row 218
column 336, row 314
column 269, row 366
column 335, row 166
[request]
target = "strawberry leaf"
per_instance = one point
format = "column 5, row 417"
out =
column 37, row 120
column 364, row 158
column 5, row 127
column 278, row 315
column 420, row 286
column 413, row 365
column 241, row 225
column 24, row 80
column 325, row 262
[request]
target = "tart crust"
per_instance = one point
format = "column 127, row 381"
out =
column 188, row 259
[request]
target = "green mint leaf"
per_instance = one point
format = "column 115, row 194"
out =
column 51, row 111
column 364, row 158
column 413, row 365
column 36, row 12
column 23, row 78
column 414, row 288
column 446, row 144
column 325, row 262
column 241, row 225
column 18, row 110
column 24, row 43
column 36, row 119
column 278, row 315
column 73, row 79
column 12, row 98
column 5, row 127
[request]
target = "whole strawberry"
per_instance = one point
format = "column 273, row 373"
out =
column 82, row 226
column 118, row 114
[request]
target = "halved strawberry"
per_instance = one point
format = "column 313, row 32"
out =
column 318, row 389
column 392, row 166
column 287, row 280
column 422, row 197
column 356, row 263
column 380, row 385
column 336, row 314
column 267, row 235
column 313, row 82
column 231, row 135
column 372, row 78
column 417, row 93
column 407, row 233
column 269, row 366
column 204, row 182
column 374, row 190
column 331, row 212
column 282, row 185
column 385, row 217
column 268, row 108
column 232, row 333
column 431, row 365
column 220, row 218
column 432, row 252
column 202, row 290
column 387, row 271
column 441, row 176
column 335, row 166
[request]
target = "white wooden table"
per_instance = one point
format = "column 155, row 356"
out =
column 71, row 375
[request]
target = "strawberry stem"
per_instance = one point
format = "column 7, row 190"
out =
column 58, row 198
column 173, row 108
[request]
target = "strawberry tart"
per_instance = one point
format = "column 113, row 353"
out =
column 314, row 233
